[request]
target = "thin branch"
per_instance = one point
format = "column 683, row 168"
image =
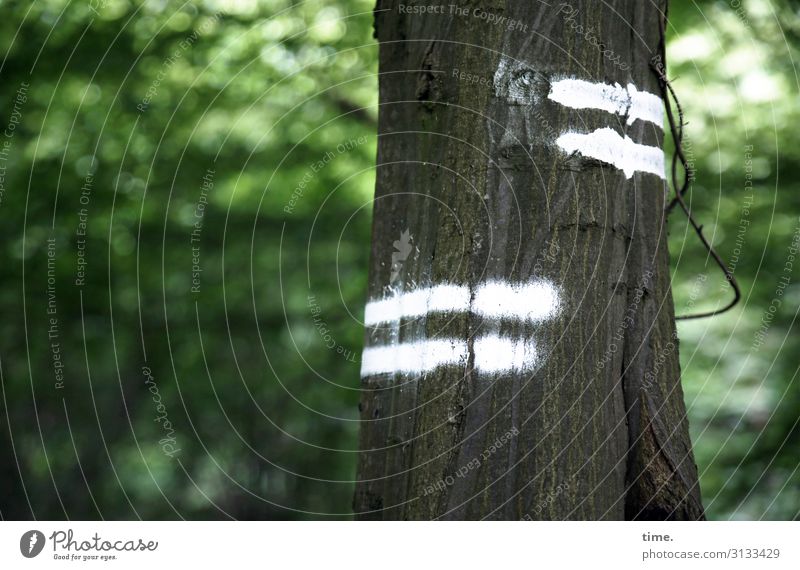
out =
column 676, row 128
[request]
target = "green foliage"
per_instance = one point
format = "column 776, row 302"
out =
column 209, row 113
column 738, row 86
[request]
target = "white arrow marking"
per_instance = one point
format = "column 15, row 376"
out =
column 609, row 146
column 580, row 94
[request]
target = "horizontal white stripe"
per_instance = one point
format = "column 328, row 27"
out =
column 532, row 301
column 607, row 145
column 645, row 106
column 413, row 357
column 440, row 298
column 580, row 94
column 493, row 354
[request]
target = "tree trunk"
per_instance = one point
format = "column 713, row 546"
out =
column 485, row 185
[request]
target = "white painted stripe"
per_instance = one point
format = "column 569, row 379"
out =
column 413, row 357
column 610, row 147
column 645, row 106
column 493, row 354
column 580, row 94
column 439, row 298
column 533, row 301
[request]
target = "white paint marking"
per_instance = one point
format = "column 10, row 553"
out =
column 533, row 301
column 413, row 357
column 608, row 146
column 514, row 82
column 580, row 94
column 494, row 354
column 439, row 298
column 645, row 106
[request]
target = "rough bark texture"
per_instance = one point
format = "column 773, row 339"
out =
column 468, row 165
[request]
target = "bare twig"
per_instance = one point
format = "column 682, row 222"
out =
column 676, row 128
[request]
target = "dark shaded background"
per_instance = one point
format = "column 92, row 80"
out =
column 218, row 377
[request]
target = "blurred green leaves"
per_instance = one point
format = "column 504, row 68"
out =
column 736, row 77
column 150, row 96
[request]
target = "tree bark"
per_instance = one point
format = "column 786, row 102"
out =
column 468, row 166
